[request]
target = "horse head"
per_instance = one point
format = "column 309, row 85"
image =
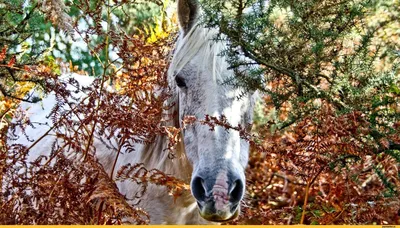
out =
column 219, row 157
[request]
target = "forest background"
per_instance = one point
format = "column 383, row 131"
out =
column 325, row 139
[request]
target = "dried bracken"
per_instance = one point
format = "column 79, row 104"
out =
column 323, row 170
column 68, row 185
column 140, row 175
column 65, row 191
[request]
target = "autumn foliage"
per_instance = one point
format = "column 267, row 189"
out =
column 72, row 187
column 322, row 171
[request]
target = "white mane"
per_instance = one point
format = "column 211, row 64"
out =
column 198, row 41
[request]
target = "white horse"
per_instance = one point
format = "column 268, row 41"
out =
column 213, row 162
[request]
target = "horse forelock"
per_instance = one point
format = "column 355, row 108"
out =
column 199, row 41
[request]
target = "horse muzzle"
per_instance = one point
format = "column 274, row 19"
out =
column 218, row 196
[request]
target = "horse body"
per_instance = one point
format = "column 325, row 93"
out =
column 213, row 162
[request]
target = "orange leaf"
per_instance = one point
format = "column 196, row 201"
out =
column 12, row 61
column 27, row 68
column 3, row 53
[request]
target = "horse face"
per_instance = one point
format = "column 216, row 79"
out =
column 218, row 156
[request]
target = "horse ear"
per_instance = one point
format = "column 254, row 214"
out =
column 187, row 13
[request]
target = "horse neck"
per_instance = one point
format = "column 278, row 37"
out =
column 157, row 156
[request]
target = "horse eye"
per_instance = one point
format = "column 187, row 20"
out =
column 180, row 81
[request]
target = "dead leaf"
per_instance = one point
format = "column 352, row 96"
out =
column 3, row 53
column 12, row 61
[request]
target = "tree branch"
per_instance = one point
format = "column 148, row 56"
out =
column 8, row 94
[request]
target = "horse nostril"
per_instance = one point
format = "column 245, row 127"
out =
column 198, row 189
column 236, row 191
